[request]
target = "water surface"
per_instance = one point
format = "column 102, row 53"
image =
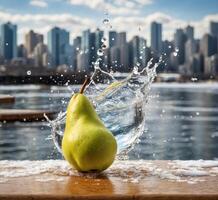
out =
column 181, row 121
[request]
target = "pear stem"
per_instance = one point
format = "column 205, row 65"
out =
column 86, row 82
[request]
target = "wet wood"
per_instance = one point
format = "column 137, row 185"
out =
column 7, row 99
column 46, row 186
column 24, row 115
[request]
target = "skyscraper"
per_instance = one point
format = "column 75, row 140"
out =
column 179, row 43
column 191, row 47
column 38, row 52
column 8, row 44
column 214, row 29
column 31, row 40
column 112, row 38
column 207, row 45
column 121, row 39
column 58, row 41
column 214, row 33
column 156, row 38
column 134, row 51
column 115, row 57
column 77, row 43
column 98, row 39
column 85, row 43
column 21, row 51
column 189, row 31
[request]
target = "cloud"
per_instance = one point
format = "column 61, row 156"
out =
column 42, row 23
column 114, row 7
column 169, row 24
column 38, row 3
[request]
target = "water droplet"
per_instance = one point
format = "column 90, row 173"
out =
column 138, row 64
column 100, row 52
column 28, row 72
column 103, row 46
column 135, row 70
column 194, row 79
column 103, row 39
column 175, row 53
column 106, row 21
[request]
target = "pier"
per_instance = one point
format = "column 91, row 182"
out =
column 11, row 115
column 7, row 99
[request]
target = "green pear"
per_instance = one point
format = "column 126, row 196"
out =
column 87, row 144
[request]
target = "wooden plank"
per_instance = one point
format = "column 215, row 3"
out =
column 108, row 185
column 7, row 99
column 24, row 115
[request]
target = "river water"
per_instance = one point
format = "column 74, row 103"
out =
column 181, row 123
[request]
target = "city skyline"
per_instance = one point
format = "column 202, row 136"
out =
column 78, row 15
column 184, row 54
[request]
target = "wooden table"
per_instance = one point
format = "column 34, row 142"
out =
column 7, row 99
column 59, row 182
column 24, row 115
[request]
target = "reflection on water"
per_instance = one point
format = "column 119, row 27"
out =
column 182, row 123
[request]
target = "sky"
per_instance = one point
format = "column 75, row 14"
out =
column 133, row 16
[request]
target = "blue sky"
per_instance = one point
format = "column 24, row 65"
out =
column 124, row 15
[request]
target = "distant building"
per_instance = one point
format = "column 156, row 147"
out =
column 58, row 41
column 86, row 47
column 179, row 45
column 134, row 51
column 85, row 42
column 77, row 43
column 191, row 47
column 8, row 43
column 156, row 38
column 211, row 65
column 189, row 31
column 82, row 62
column 208, row 45
column 214, row 29
column 21, row 51
column 99, row 35
column 124, row 58
column 112, row 38
column 197, row 65
column 31, row 40
column 121, row 39
column 39, row 51
column 115, row 58
column 139, row 54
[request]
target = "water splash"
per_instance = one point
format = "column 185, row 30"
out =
column 120, row 102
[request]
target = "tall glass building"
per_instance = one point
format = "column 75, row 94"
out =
column 156, row 38
column 8, row 41
column 58, row 42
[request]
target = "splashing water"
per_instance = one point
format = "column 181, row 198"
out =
column 119, row 102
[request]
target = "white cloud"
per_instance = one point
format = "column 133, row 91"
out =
column 43, row 22
column 38, row 3
column 170, row 24
column 114, row 7
column 75, row 24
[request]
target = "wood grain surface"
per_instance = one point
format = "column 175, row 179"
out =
column 47, row 186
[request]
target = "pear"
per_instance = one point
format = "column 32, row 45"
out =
column 87, row 144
